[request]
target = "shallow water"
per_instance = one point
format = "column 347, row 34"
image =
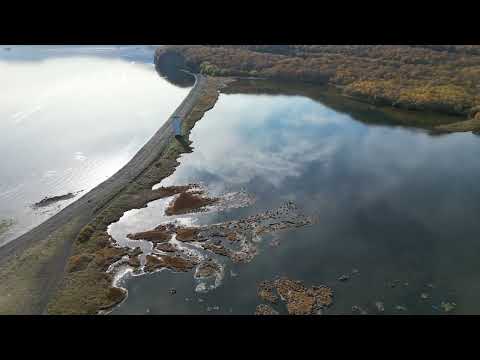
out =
column 395, row 204
column 71, row 116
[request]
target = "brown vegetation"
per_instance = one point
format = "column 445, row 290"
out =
column 166, row 247
column 265, row 310
column 442, row 78
column 79, row 262
column 216, row 249
column 265, row 291
column 187, row 234
column 175, row 263
column 301, row 300
column 108, row 255
column 134, row 261
column 151, row 235
column 188, row 202
column 207, row 269
column 114, row 296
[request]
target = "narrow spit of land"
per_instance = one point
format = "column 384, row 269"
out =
column 33, row 265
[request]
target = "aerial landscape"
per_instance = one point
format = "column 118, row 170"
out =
column 239, row 179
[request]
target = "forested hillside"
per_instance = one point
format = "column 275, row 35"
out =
column 443, row 78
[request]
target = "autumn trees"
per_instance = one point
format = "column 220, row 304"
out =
column 435, row 77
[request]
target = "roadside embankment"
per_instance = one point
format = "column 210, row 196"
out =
column 59, row 266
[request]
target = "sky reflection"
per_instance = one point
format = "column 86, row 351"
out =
column 69, row 122
column 393, row 202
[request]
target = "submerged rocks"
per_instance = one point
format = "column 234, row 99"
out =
column 46, row 201
column 424, row 296
column 394, row 283
column 274, row 243
column 379, row 306
column 448, row 306
column 358, row 310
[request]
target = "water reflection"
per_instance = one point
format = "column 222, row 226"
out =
column 71, row 117
column 395, row 203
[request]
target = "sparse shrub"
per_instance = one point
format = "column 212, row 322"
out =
column 85, row 234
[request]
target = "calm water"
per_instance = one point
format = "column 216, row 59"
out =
column 70, row 117
column 395, row 203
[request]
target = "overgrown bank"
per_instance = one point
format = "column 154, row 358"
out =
column 440, row 78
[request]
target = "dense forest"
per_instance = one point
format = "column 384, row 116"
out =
column 443, row 78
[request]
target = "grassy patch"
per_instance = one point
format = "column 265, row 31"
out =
column 20, row 288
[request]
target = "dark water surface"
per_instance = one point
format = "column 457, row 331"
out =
column 70, row 117
column 394, row 203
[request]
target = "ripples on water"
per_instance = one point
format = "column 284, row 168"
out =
column 395, row 204
column 71, row 116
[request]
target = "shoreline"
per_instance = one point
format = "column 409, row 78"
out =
column 33, row 265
